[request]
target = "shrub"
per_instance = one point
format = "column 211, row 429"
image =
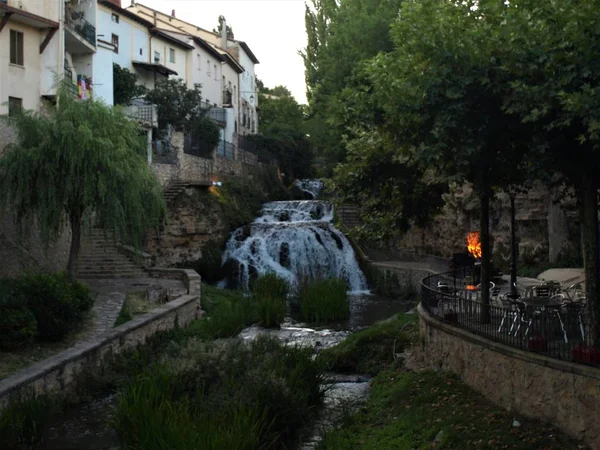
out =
column 324, row 300
column 270, row 292
column 235, row 396
column 18, row 326
column 58, row 303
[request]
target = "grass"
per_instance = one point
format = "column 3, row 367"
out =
column 324, row 300
column 373, row 349
column 233, row 396
column 22, row 422
column 135, row 304
column 270, row 293
column 408, row 410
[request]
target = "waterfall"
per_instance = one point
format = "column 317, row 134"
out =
column 296, row 240
column 312, row 187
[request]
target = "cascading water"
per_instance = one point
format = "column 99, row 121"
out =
column 312, row 187
column 296, row 240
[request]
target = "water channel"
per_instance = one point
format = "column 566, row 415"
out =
column 296, row 240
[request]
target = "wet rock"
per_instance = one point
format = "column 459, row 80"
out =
column 337, row 239
column 284, row 255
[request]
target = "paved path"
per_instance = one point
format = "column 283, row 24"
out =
column 111, row 294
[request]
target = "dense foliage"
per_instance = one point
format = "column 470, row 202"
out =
column 270, row 293
column 283, row 132
column 47, row 307
column 125, row 87
column 235, row 396
column 75, row 161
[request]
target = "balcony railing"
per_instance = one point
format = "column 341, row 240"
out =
column 225, row 149
column 217, row 114
column 75, row 20
column 143, row 114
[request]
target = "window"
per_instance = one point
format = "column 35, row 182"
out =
column 14, row 104
column 16, row 47
column 115, row 41
column 171, row 55
column 141, row 52
column 114, row 18
column 234, row 94
column 199, row 63
column 216, row 75
column 156, row 57
column 208, row 67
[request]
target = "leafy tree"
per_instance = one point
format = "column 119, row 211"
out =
column 556, row 94
column 125, row 87
column 443, row 89
column 80, row 162
column 177, row 105
column 340, row 36
column 283, row 132
column 219, row 29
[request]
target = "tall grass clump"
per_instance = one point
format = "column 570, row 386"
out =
column 324, row 300
column 22, row 423
column 270, row 293
column 232, row 396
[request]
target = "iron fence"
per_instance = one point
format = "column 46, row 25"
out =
column 226, row 150
column 196, row 146
column 555, row 329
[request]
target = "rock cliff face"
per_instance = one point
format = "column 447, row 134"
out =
column 546, row 228
column 194, row 218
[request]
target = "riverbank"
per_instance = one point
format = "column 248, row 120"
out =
column 408, row 409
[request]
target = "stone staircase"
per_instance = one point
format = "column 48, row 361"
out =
column 176, row 187
column 100, row 257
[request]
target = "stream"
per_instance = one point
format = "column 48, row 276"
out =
column 296, row 240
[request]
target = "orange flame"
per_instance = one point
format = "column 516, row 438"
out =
column 474, row 244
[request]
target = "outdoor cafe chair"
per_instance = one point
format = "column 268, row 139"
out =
column 552, row 308
column 575, row 309
column 513, row 308
column 446, row 296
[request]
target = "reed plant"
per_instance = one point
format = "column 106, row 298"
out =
column 23, row 421
column 324, row 300
column 270, row 292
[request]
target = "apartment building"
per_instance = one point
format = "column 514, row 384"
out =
column 238, row 80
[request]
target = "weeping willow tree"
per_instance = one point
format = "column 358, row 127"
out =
column 77, row 163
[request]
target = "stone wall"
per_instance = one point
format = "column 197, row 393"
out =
column 562, row 393
column 194, row 218
column 60, row 373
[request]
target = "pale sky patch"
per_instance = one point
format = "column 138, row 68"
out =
column 273, row 29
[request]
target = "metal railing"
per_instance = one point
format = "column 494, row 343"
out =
column 216, row 113
column 75, row 20
column 196, row 146
column 557, row 330
column 145, row 114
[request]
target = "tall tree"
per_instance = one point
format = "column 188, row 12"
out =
column 78, row 162
column 443, row 89
column 339, row 36
column 557, row 95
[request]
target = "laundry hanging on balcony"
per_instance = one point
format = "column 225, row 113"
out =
column 84, row 87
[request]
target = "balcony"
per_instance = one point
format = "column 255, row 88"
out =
column 227, row 98
column 81, row 36
column 219, row 115
column 145, row 115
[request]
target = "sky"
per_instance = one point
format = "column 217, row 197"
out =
column 273, row 29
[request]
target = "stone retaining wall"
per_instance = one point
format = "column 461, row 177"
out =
column 60, row 373
column 409, row 276
column 560, row 392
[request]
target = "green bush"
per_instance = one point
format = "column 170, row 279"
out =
column 58, row 303
column 18, row 326
column 270, row 293
column 324, row 300
column 234, row 396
